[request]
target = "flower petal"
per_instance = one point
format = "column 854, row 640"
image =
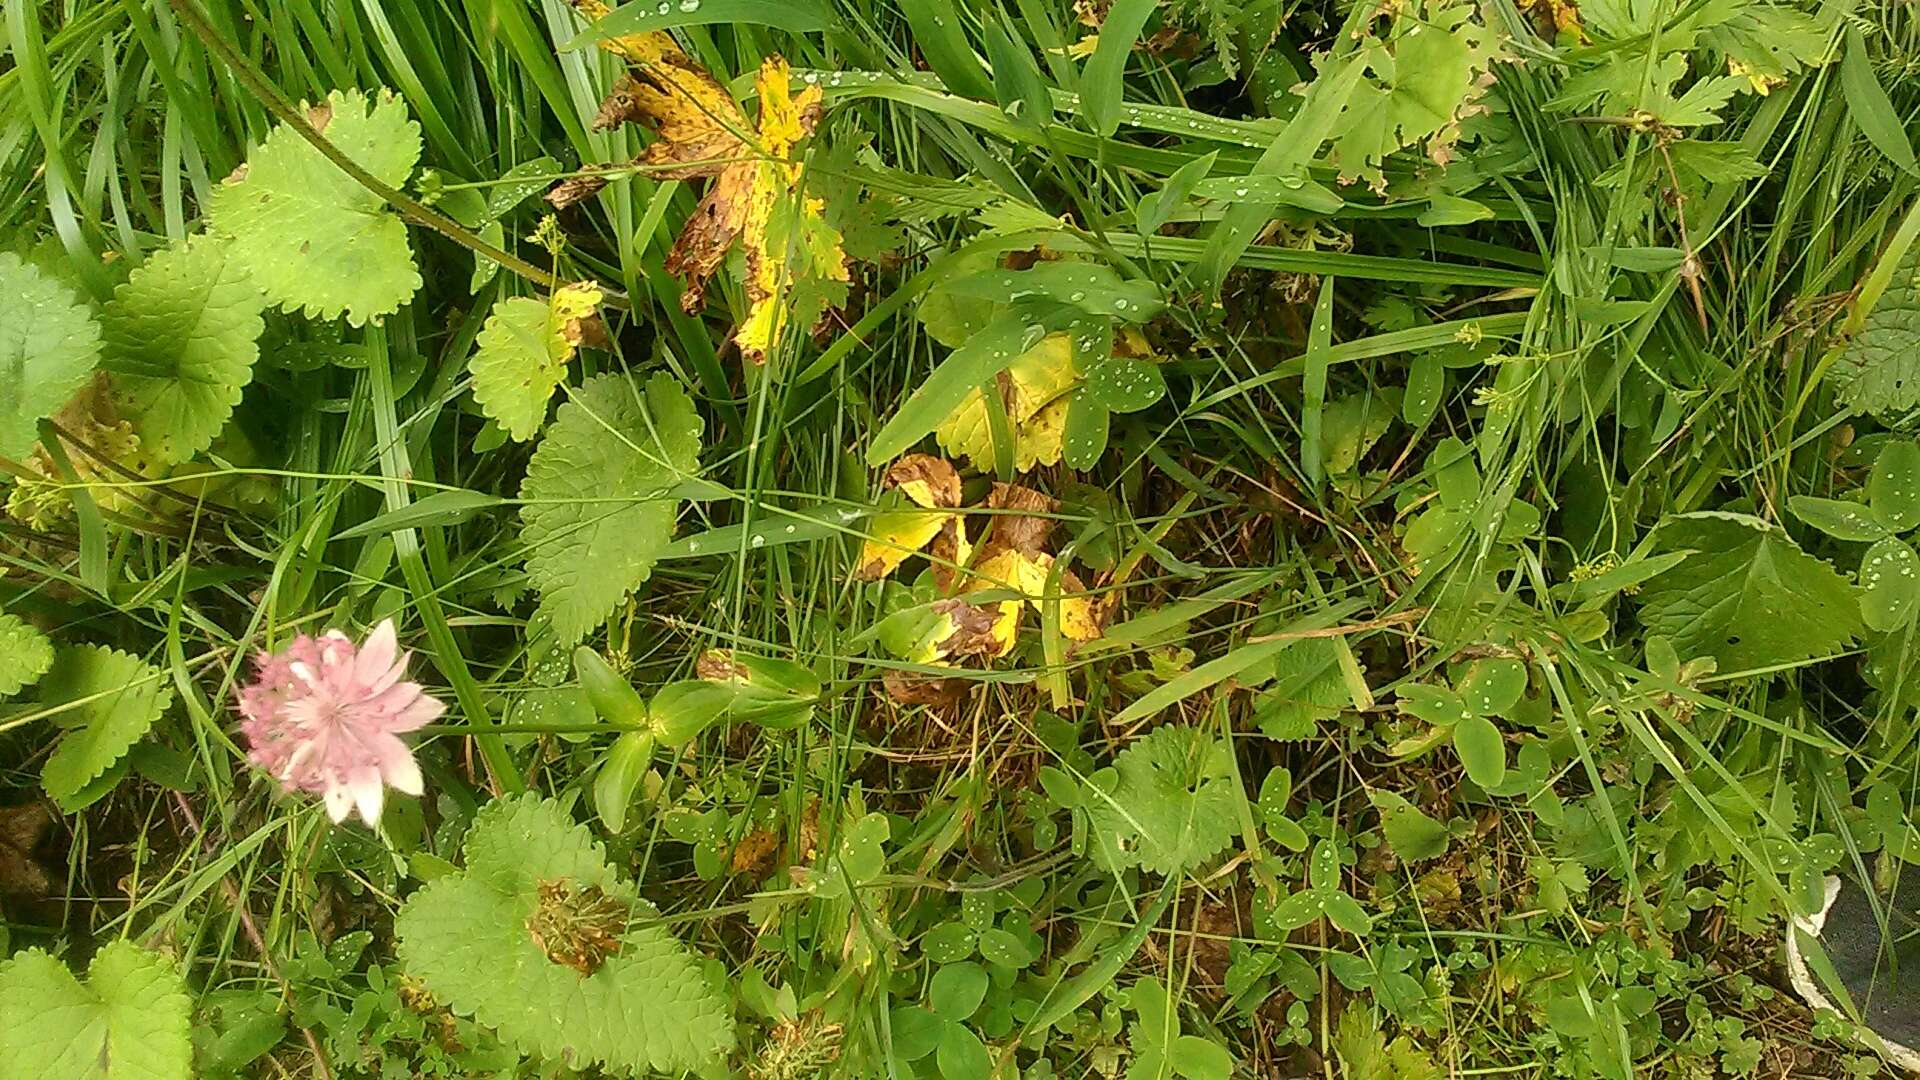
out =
column 397, row 766
column 339, row 800
column 368, row 792
column 377, row 655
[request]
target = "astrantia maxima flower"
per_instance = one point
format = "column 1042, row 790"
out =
column 325, row 716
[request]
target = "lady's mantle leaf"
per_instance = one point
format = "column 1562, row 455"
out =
column 501, row 942
column 25, row 654
column 180, row 337
column 114, row 699
column 128, row 1022
column 523, row 351
column 598, row 508
column 312, row 237
column 1747, row 596
column 1168, row 803
column 48, row 345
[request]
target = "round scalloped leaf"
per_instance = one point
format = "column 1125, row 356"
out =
column 181, row 339
column 646, row 1005
column 128, row 1021
column 315, row 239
column 25, row 654
column 1173, row 805
column 48, row 346
column 115, row 699
column 598, row 505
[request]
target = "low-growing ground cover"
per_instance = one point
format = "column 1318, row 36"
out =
column 1147, row 538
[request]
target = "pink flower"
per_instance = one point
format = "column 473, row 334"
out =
column 324, row 716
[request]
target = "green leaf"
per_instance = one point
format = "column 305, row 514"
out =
column 1872, row 110
column 961, row 1055
column 1094, row 288
column 1124, row 384
column 646, row 1005
column 181, row 339
column 597, row 508
column 1367, row 1055
column 1420, row 77
column 1890, row 578
column 1879, row 372
column 1103, row 82
column 957, row 990
column 518, row 360
column 1490, row 687
column 1175, row 803
column 25, row 654
column 1412, row 833
column 619, row 777
column 1747, row 596
column 112, row 699
column 1084, row 438
column 1893, row 488
column 1158, row 207
column 1426, row 386
column 129, row 1021
column 48, row 346
column 1484, row 755
column 313, row 238
column 1199, row 1059
column 1272, row 189
column 1838, row 518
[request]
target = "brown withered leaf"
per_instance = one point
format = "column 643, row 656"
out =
column 907, row 688
column 927, row 480
column 22, row 828
column 1019, row 526
column 718, row 665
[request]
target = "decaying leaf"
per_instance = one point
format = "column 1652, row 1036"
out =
column 21, row 830
column 1034, row 390
column 907, row 688
column 756, row 197
column 1012, row 557
column 934, row 487
column 109, row 459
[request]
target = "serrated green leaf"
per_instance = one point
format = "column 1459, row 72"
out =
column 1419, row 77
column 181, row 339
column 597, row 508
column 1747, row 596
column 1890, row 580
column 315, row 239
column 129, row 1021
column 1879, row 372
column 521, row 355
column 25, row 654
column 48, row 346
column 111, row 700
column 648, row 1004
column 1176, row 803
column 1893, row 488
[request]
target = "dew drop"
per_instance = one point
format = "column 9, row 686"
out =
column 759, row 540
column 1076, row 297
column 791, row 529
column 664, row 8
column 689, row 5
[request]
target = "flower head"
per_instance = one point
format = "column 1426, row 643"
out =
column 324, row 715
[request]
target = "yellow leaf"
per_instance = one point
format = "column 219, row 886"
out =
column 895, row 535
column 1035, row 389
column 703, row 133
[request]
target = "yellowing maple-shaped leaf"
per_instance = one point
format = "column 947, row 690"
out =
column 756, row 198
column 1035, row 389
column 114, row 467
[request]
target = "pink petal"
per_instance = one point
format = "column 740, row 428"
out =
column 368, row 793
column 422, row 711
column 377, row 655
column 397, row 766
column 339, row 802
